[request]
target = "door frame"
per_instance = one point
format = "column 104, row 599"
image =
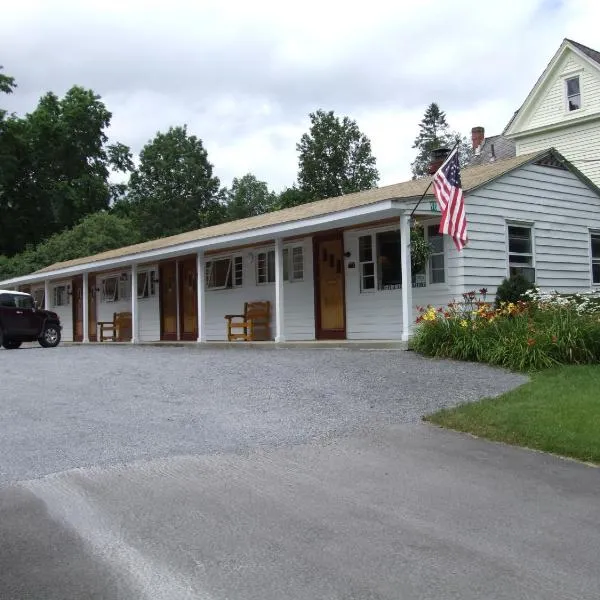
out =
column 170, row 337
column 92, row 298
column 327, row 334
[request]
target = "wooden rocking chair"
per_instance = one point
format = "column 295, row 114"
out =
column 255, row 323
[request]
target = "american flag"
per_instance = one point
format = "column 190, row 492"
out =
column 449, row 195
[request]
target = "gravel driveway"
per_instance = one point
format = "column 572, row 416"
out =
column 101, row 405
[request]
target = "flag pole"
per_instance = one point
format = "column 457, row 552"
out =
column 431, row 182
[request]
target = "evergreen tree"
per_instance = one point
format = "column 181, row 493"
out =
column 434, row 133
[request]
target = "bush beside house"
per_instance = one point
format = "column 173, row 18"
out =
column 537, row 332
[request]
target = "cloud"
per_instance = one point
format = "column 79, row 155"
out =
column 244, row 76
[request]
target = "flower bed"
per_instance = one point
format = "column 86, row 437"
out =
column 541, row 331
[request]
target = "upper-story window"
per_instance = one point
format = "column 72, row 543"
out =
column 573, row 93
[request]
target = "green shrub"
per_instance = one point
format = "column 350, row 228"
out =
column 521, row 336
column 513, row 289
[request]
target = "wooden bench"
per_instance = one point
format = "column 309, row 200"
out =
column 255, row 323
column 117, row 330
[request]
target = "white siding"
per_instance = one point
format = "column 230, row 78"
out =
column 65, row 313
column 377, row 314
column 550, row 107
column 298, row 297
column 561, row 209
column 148, row 308
column 575, row 143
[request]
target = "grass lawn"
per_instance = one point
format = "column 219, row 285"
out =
column 558, row 411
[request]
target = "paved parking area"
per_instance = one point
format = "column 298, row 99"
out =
column 161, row 473
column 78, row 406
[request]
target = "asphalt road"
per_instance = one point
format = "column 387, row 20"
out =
column 334, row 496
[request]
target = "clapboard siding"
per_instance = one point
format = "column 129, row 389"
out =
column 148, row 308
column 298, row 298
column 551, row 107
column 561, row 209
column 378, row 314
column 576, row 142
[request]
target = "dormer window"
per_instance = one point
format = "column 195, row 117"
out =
column 573, row 93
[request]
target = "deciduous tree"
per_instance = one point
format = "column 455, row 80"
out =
column 335, row 157
column 174, row 189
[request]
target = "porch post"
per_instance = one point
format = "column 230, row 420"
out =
column 200, row 277
column 134, row 306
column 86, row 316
column 406, row 275
column 279, row 317
column 47, row 294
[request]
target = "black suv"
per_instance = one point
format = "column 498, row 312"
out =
column 21, row 321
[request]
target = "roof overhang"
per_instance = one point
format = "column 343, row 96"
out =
column 342, row 219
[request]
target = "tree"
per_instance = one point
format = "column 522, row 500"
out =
column 173, row 189
column 335, row 158
column 7, row 85
column 96, row 233
column 434, row 133
column 292, row 196
column 54, row 167
column 248, row 197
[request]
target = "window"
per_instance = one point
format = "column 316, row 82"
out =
column 389, row 272
column 8, row 300
column 293, row 265
column 265, row 267
column 116, row 287
column 224, row 273
column 436, row 260
column 573, row 93
column 520, row 252
column 25, row 302
column 60, row 296
column 596, row 258
column 366, row 262
column 110, row 289
column 146, row 284
column 297, row 267
column 40, row 297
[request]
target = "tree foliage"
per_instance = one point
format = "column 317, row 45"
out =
column 434, row 133
column 335, row 158
column 292, row 196
column 248, row 197
column 173, row 189
column 55, row 164
column 96, row 233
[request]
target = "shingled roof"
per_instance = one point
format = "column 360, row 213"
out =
column 472, row 178
column 593, row 54
column 494, row 148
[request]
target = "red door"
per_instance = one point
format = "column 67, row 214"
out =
column 77, row 298
column 188, row 299
column 167, row 288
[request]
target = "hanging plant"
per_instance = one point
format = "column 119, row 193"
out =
column 420, row 248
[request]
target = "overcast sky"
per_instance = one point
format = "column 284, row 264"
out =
column 243, row 75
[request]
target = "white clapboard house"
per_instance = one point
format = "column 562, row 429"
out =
column 338, row 268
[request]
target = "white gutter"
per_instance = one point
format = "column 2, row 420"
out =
column 312, row 224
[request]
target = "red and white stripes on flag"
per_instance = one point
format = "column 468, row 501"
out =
column 448, row 192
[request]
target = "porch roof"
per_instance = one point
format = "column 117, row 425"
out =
column 296, row 217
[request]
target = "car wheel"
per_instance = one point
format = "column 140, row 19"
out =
column 50, row 336
column 11, row 344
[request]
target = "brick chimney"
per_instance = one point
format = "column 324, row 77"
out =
column 477, row 137
column 438, row 156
